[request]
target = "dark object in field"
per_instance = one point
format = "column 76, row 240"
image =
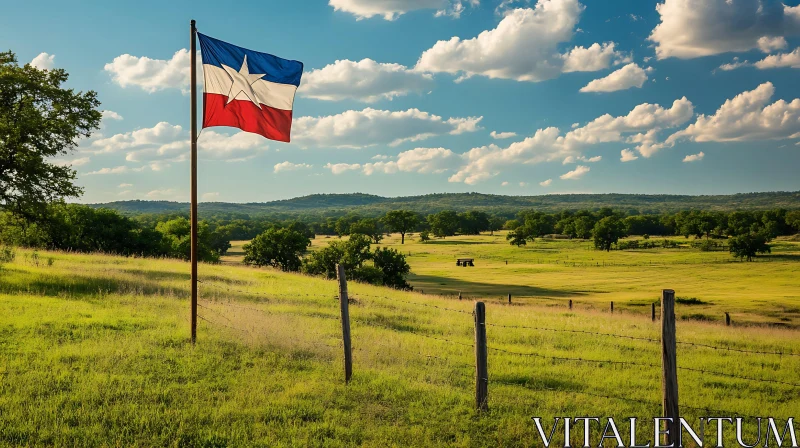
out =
column 465, row 262
column 481, row 352
column 727, row 319
column 689, row 301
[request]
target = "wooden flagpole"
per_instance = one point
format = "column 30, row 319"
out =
column 193, row 88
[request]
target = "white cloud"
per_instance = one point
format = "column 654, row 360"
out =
column 111, row 115
column 734, row 65
column 124, row 185
column 574, row 159
column 365, row 80
column 549, row 145
column 487, row 161
column 339, row 168
column 768, row 44
column 523, row 184
column 289, row 166
column 124, row 193
column 695, row 28
column 392, row 9
column 358, row 129
column 116, row 170
column 80, row 161
column 627, row 77
column 44, row 61
column 524, row 46
column 694, row 157
column 504, row 184
column 577, row 173
column 645, row 119
column 596, row 57
column 546, row 183
column 747, row 116
column 380, row 157
column 152, row 75
column 780, row 60
column 501, row 135
column 426, row 160
column 210, row 197
column 628, row 155
column 164, row 194
column 167, row 142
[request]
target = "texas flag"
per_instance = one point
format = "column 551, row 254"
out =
column 248, row 90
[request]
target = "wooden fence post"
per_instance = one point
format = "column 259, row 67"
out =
column 653, row 311
column 509, row 299
column 459, row 295
column 570, row 303
column 727, row 319
column 345, row 309
column 612, row 307
column 669, row 377
column 481, row 368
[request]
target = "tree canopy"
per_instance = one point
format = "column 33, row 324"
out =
column 39, row 120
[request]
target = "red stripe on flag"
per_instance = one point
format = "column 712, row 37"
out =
column 274, row 124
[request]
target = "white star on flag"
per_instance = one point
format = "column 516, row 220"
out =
column 242, row 82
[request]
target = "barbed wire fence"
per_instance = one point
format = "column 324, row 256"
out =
column 480, row 349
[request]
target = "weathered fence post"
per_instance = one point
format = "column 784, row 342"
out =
column 727, row 319
column 612, row 307
column 653, row 311
column 481, row 368
column 459, row 295
column 509, row 298
column 345, row 309
column 570, row 303
column 669, row 366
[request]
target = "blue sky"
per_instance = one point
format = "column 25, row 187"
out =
column 671, row 96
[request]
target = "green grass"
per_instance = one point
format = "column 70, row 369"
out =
column 551, row 272
column 94, row 352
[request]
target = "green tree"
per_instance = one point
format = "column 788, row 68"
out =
column 351, row 254
column 177, row 240
column 517, row 237
column 370, row 227
column 444, row 223
column 402, row 222
column 473, row 222
column 394, row 267
column 424, row 236
column 582, row 226
column 277, row 247
column 39, row 120
column 607, row 232
column 496, row 223
column 793, row 220
column 747, row 245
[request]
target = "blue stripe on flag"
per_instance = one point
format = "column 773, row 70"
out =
column 217, row 52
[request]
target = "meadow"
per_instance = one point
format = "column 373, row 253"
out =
column 94, row 351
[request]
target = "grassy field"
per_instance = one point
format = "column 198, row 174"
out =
column 551, row 272
column 94, row 352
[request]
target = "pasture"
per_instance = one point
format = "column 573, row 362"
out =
column 94, row 351
column 552, row 272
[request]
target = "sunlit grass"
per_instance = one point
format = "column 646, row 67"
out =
column 94, row 351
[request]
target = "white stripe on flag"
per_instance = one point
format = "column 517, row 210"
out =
column 271, row 94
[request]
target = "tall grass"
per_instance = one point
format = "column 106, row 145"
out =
column 94, row 351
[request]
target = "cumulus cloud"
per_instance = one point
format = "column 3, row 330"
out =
column 748, row 116
column 392, row 9
column 524, row 46
column 339, row 168
column 365, row 80
column 124, row 185
column 44, row 61
column 167, row 142
column 695, row 28
column 577, row 173
column 694, row 157
column 546, row 183
column 644, row 121
column 209, row 197
column 641, row 125
column 627, row 77
column 357, row 129
column 289, row 166
column 627, row 155
column 596, row 57
column 734, row 65
column 780, row 60
column 501, row 135
column 574, row 159
column 504, row 184
column 115, row 170
column 523, row 184
column 111, row 115
column 152, row 75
